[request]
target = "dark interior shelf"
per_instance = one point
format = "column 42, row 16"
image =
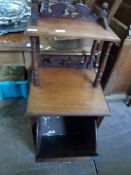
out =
column 61, row 137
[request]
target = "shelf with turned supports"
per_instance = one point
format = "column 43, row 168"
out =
column 69, row 28
column 68, row 100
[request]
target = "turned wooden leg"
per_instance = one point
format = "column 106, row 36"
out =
column 92, row 57
column 103, row 60
column 35, row 59
column 100, row 46
column 34, row 12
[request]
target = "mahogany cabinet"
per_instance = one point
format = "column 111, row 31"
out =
column 67, row 104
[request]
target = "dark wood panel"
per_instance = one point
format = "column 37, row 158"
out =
column 120, row 78
column 114, row 9
column 123, row 14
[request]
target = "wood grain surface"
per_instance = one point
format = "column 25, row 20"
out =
column 66, row 92
column 70, row 28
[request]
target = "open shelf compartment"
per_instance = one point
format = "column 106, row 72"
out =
column 65, row 137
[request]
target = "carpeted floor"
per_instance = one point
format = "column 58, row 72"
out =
column 17, row 150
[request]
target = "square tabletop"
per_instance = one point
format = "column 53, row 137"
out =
column 66, row 92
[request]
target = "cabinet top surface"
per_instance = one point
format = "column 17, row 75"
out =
column 66, row 92
column 70, row 28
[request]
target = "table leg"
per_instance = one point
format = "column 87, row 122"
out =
column 99, row 50
column 92, row 57
column 103, row 60
column 35, row 59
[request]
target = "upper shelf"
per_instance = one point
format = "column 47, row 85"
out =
column 70, row 28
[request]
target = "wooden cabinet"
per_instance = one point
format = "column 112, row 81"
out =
column 67, row 104
column 67, row 137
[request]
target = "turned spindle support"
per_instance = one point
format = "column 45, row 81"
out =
column 34, row 12
column 103, row 60
column 92, row 56
column 35, row 46
column 129, row 103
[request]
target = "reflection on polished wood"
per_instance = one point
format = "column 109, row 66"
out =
column 12, row 37
column 14, row 42
column 66, row 92
column 71, row 28
column 18, row 42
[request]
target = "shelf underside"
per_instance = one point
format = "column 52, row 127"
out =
column 66, row 92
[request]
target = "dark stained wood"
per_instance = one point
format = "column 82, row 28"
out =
column 103, row 60
column 64, row 61
column 66, row 92
column 119, row 76
column 124, row 11
column 69, row 28
column 121, row 72
column 119, row 28
column 114, row 8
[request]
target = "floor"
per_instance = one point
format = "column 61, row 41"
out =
column 17, row 151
